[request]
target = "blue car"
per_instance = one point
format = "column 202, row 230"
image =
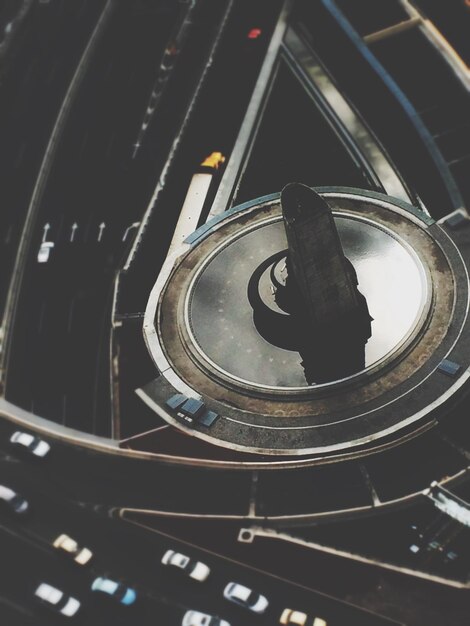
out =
column 123, row 594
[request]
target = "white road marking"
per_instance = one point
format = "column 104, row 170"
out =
column 46, row 228
column 129, row 228
column 102, row 226
column 72, row 234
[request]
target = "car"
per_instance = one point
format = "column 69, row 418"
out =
column 246, row 597
column 69, row 546
column 118, row 591
column 56, row 599
column 194, row 569
column 31, row 443
column 13, row 501
column 169, row 57
column 290, row 617
column 45, row 251
column 195, row 618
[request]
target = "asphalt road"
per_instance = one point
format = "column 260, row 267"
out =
column 109, row 482
column 216, row 117
column 127, row 553
column 86, row 209
column 33, row 85
column 407, row 599
column 95, row 197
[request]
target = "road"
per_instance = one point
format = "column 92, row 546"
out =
column 399, row 596
column 116, row 481
column 32, row 88
column 130, row 554
column 87, row 206
column 95, row 196
column 215, row 117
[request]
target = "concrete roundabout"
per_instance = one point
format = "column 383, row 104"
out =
column 225, row 376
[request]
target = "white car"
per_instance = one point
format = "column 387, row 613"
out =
column 33, row 444
column 246, row 597
column 195, row 618
column 45, row 251
column 15, row 503
column 297, row 618
column 194, row 569
column 57, row 600
column 68, row 545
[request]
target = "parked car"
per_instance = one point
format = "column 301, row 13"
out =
column 30, row 443
column 192, row 568
column 56, row 600
column 69, row 546
column 13, row 501
column 195, row 618
column 118, row 591
column 297, row 618
column 246, row 597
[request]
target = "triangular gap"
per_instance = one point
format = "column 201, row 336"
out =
column 295, row 142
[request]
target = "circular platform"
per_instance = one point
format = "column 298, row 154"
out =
column 220, row 317
column 250, row 389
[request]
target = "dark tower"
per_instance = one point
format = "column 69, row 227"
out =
column 320, row 312
column 330, row 321
column 316, row 261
